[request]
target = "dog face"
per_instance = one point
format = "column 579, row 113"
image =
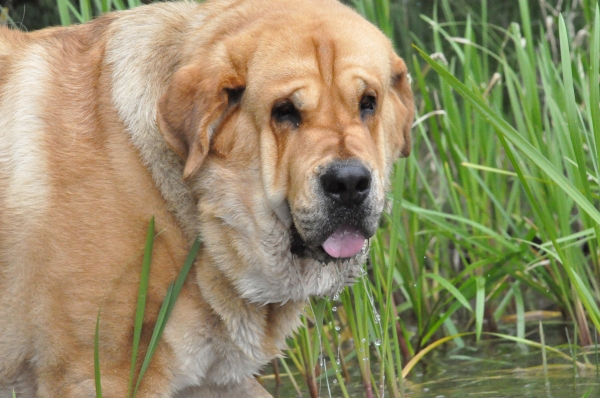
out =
column 327, row 141
column 319, row 109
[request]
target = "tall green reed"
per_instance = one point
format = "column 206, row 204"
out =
column 5, row 18
column 546, row 150
column 138, row 369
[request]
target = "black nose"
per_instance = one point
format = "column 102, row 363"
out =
column 346, row 182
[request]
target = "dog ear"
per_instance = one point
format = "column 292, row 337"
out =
column 404, row 107
column 195, row 103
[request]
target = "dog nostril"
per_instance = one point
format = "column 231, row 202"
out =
column 333, row 186
column 364, row 183
column 348, row 183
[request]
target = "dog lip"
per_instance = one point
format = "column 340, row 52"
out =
column 316, row 251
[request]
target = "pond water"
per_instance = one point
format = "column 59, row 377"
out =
column 493, row 369
column 505, row 372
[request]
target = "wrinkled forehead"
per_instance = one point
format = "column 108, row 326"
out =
column 304, row 58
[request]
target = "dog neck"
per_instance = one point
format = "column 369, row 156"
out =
column 138, row 82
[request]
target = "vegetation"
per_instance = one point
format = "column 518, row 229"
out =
column 496, row 211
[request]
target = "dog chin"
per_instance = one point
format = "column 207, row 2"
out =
column 290, row 276
column 328, row 279
column 321, row 274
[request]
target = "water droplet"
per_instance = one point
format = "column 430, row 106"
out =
column 337, row 361
column 363, row 340
column 365, row 359
column 334, row 309
column 337, row 328
column 377, row 318
column 377, row 342
column 334, row 381
column 336, row 296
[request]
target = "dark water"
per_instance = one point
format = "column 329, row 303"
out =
column 502, row 368
column 456, row 376
column 490, row 369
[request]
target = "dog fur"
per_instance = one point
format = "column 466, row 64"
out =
column 169, row 110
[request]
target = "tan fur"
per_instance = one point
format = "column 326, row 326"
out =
column 132, row 115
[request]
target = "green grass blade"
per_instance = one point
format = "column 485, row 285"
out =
column 479, row 305
column 75, row 12
column 587, row 394
column 520, row 307
column 411, row 364
column 141, row 303
column 86, row 10
column 189, row 261
column 453, row 291
column 594, row 83
column 335, row 366
column 526, row 21
column 318, row 313
column 119, row 5
column 63, row 11
column 535, row 344
column 166, row 308
column 105, row 6
column 160, row 320
column 572, row 114
column 291, row 376
column 586, row 297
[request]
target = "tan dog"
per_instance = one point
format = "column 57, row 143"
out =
column 268, row 126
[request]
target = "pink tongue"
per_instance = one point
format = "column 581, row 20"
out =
column 345, row 242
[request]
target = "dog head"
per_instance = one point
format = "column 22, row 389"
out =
column 291, row 124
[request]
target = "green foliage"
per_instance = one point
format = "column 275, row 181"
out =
column 163, row 315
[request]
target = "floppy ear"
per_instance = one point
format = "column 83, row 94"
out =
column 404, row 105
column 196, row 101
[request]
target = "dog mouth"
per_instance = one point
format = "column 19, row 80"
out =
column 343, row 243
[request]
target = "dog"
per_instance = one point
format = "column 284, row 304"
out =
column 269, row 128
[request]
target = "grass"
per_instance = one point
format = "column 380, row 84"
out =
column 5, row 18
column 495, row 213
column 137, row 373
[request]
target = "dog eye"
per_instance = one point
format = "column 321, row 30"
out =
column 286, row 112
column 368, row 104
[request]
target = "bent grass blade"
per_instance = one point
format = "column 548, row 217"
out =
column 141, row 303
column 163, row 316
